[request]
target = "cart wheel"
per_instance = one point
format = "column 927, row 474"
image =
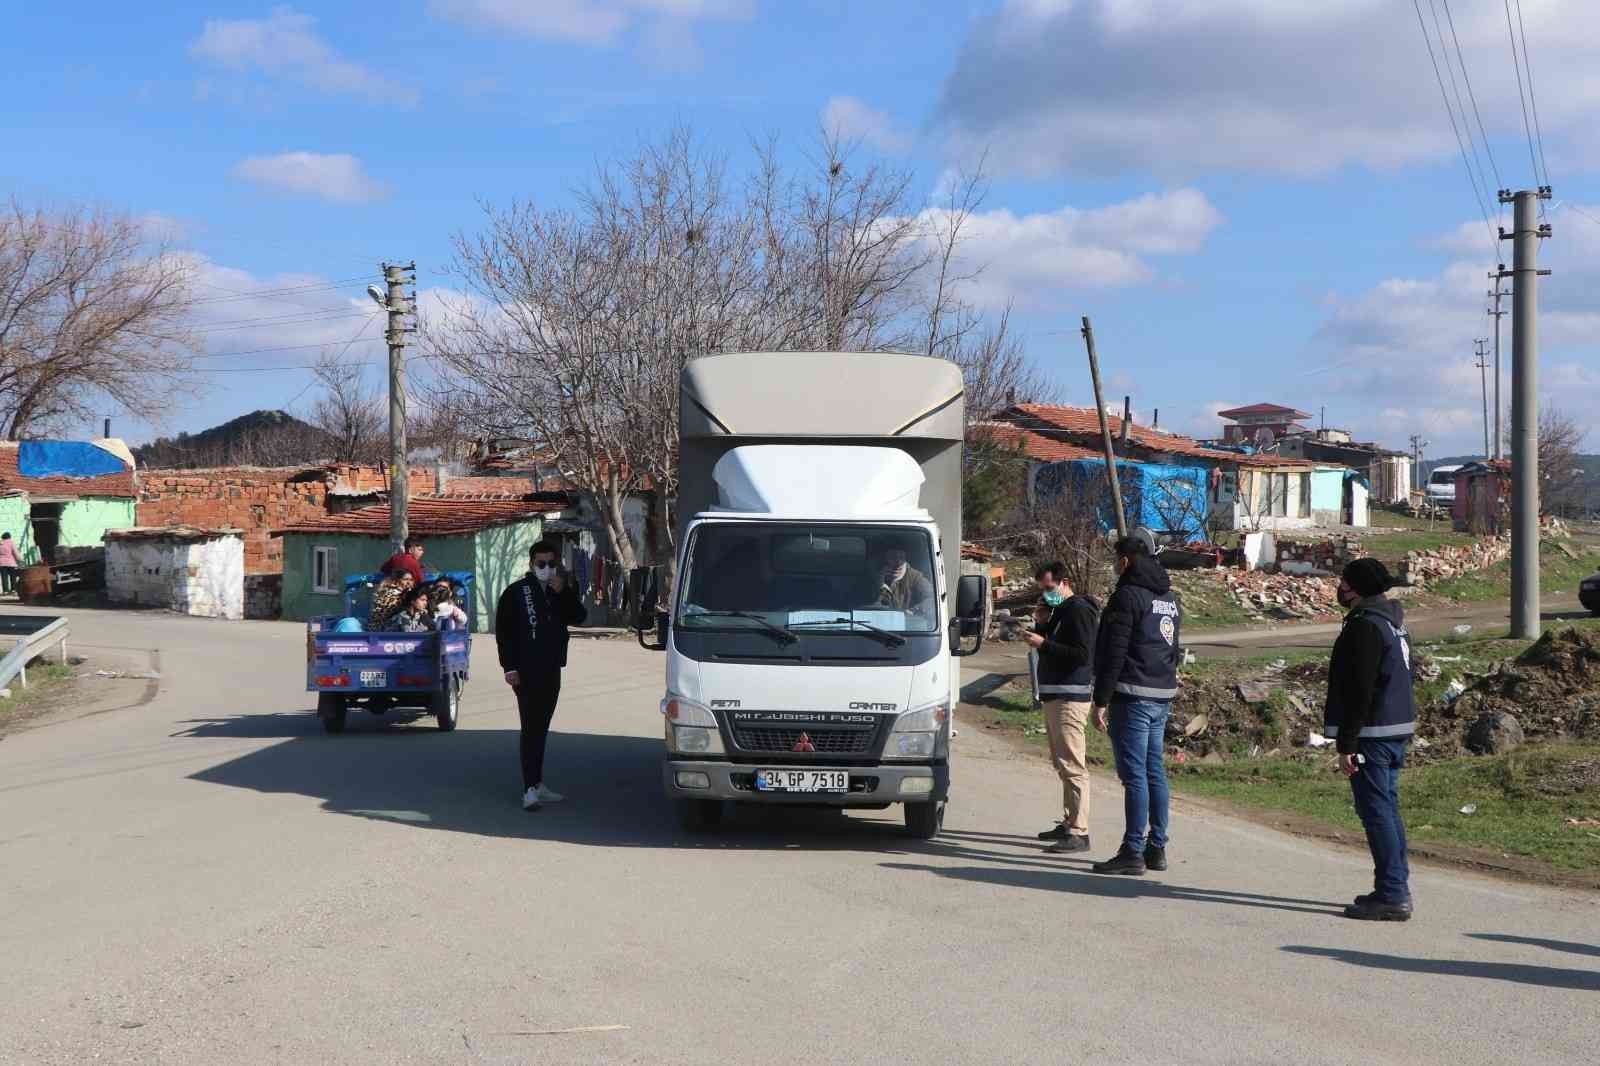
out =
column 697, row 816
column 332, row 710
column 924, row 820
column 447, row 704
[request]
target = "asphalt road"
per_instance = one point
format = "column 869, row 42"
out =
column 191, row 872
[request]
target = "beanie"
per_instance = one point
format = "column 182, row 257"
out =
column 1369, row 577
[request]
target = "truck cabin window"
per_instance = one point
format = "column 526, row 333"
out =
column 812, row 580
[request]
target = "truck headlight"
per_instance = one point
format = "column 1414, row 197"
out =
column 917, row 733
column 691, row 728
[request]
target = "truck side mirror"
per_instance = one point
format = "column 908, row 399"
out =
column 972, row 596
column 644, row 589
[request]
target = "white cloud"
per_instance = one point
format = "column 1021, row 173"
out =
column 1278, row 86
column 1402, row 350
column 1033, row 259
column 854, row 120
column 596, row 22
column 285, row 44
column 337, row 178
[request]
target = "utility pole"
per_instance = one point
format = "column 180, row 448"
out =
column 1417, row 446
column 1525, row 235
column 398, row 306
column 1105, row 430
column 1495, row 295
column 1483, row 384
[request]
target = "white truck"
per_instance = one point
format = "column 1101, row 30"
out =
column 813, row 637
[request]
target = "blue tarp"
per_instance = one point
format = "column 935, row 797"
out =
column 65, row 458
column 1169, row 500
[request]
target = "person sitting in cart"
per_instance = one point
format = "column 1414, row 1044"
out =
column 387, row 599
column 445, row 607
column 408, row 561
column 416, row 612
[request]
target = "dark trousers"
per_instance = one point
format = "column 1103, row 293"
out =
column 1376, row 787
column 536, row 706
column 8, row 578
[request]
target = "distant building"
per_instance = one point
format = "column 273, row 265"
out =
column 58, row 498
column 1387, row 472
column 1261, row 424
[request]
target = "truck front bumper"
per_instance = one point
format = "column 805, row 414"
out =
column 870, row 786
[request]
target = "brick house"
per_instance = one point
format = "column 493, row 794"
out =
column 61, row 517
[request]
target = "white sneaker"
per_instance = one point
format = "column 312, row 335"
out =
column 549, row 795
column 530, row 800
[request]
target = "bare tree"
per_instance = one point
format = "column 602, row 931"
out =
column 1561, row 473
column 1068, row 527
column 91, row 311
column 351, row 413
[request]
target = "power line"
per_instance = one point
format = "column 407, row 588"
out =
column 1533, row 101
column 1427, row 38
column 276, row 348
column 1482, row 177
column 269, row 369
column 1516, row 62
column 236, row 294
column 1462, row 61
column 264, row 323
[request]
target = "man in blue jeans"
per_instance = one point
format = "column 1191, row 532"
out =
column 1372, row 715
column 1136, row 677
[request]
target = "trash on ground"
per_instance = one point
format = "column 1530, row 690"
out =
column 1471, row 808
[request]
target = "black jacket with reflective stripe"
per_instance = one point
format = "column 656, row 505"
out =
column 1136, row 650
column 1066, row 658
column 1369, row 677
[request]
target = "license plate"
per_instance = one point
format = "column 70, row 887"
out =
column 374, row 679
column 802, row 781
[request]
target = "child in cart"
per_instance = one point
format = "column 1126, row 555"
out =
column 445, row 607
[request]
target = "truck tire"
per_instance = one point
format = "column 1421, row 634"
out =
column 447, row 704
column 698, row 816
column 333, row 711
column 924, row 820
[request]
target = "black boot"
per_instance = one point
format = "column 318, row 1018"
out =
column 1155, row 858
column 1056, row 832
column 1069, row 842
column 1125, row 861
column 1373, row 910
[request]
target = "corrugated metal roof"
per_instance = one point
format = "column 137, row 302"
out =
column 431, row 516
column 171, row 533
column 1251, row 410
column 11, row 480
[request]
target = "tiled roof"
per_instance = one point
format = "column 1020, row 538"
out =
column 1082, row 426
column 431, row 516
column 1036, row 445
column 11, row 480
column 1289, row 413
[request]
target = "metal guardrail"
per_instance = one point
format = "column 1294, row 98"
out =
column 34, row 635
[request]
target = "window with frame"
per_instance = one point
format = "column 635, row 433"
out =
column 325, row 569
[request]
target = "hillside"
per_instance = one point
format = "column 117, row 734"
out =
column 260, row 438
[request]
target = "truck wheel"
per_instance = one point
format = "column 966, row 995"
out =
column 924, row 820
column 447, row 705
column 332, row 710
column 698, row 816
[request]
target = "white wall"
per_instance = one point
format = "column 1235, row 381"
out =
column 203, row 578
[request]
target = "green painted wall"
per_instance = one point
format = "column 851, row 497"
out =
column 14, row 520
column 1327, row 490
column 357, row 555
column 502, row 559
column 84, row 522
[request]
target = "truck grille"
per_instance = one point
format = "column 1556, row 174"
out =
column 825, row 741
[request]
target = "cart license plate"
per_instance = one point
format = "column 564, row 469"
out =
column 374, row 679
column 802, row 781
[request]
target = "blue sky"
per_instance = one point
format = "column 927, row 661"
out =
column 1241, row 196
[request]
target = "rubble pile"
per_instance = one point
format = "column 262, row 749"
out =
column 1422, row 568
column 1551, row 690
column 1283, row 595
column 1321, row 557
column 1268, row 713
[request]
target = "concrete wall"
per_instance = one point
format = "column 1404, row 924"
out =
column 203, row 578
column 501, row 558
column 1327, row 497
column 14, row 520
column 84, row 522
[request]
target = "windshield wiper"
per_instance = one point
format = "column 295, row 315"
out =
column 893, row 640
column 783, row 636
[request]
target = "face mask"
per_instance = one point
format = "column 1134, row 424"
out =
column 544, row 573
column 1054, row 598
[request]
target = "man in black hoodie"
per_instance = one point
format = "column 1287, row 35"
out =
column 530, row 633
column 1065, row 645
column 1372, row 715
column 1136, row 677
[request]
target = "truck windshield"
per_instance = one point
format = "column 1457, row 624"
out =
column 816, row 579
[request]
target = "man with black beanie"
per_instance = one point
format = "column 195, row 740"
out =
column 1372, row 716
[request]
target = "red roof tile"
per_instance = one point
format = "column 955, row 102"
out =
column 11, row 480
column 1289, row 413
column 431, row 516
column 1082, row 426
column 1036, row 445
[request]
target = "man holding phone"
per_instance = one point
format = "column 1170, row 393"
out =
column 531, row 634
